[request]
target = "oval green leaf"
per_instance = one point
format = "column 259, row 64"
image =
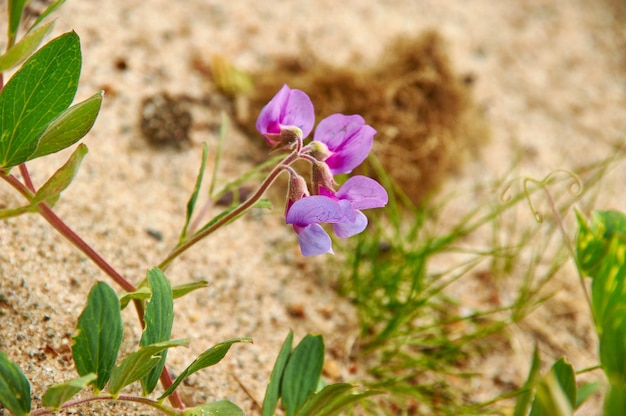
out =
column 272, row 393
column 69, row 127
column 58, row 394
column 208, row 358
column 99, row 335
column 24, row 48
column 219, row 408
column 62, row 178
column 302, row 373
column 14, row 387
column 138, row 364
column 158, row 317
column 41, row 90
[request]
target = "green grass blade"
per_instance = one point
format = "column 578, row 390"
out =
column 58, row 394
column 522, row 404
column 62, row 178
column 41, row 90
column 24, row 48
column 191, row 204
column 219, row 408
column 14, row 387
column 272, row 393
column 302, row 372
column 159, row 318
column 208, row 358
column 138, row 364
column 99, row 335
column 69, row 127
column 218, row 155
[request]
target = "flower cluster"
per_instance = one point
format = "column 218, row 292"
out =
column 340, row 144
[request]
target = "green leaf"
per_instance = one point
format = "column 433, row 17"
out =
column 556, row 392
column 69, row 127
column 14, row 212
column 138, row 364
column 58, row 394
column 550, row 399
column 302, row 372
column 16, row 7
column 272, row 393
column 219, row 408
column 615, row 401
column 208, row 358
column 14, row 387
column 564, row 374
column 51, row 8
column 158, row 317
column 522, row 404
column 585, row 391
column 333, row 399
column 142, row 293
column 62, row 178
column 191, row 204
column 41, row 90
column 99, row 335
column 181, row 290
column 24, row 48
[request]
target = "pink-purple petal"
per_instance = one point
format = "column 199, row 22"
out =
column 363, row 193
column 298, row 111
column 269, row 117
column 336, row 128
column 349, row 140
column 348, row 229
column 287, row 108
column 314, row 240
column 314, row 209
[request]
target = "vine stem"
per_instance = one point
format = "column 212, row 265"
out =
column 143, row 400
column 242, row 208
column 27, row 189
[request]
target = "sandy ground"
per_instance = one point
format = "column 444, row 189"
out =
column 549, row 76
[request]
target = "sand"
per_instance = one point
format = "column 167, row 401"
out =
column 548, row 76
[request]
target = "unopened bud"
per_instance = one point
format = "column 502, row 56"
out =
column 297, row 188
column 289, row 136
column 321, row 176
column 319, row 151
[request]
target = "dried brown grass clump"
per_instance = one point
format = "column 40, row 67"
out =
column 420, row 107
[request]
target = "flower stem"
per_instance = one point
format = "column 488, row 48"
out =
column 27, row 190
column 242, row 208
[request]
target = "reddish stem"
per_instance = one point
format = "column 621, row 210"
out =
column 27, row 189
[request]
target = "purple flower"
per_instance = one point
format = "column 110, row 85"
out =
column 357, row 193
column 348, row 141
column 341, row 208
column 288, row 109
column 305, row 215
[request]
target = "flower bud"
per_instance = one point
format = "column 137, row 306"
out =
column 297, row 188
column 319, row 150
column 321, row 176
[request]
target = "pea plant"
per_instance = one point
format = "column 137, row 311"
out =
column 599, row 254
column 37, row 118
